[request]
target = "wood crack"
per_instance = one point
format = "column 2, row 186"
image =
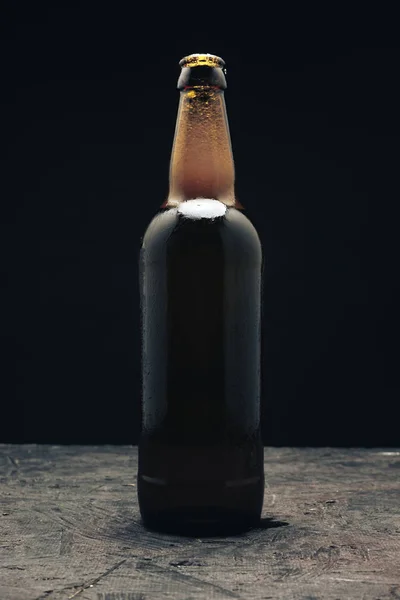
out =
column 14, row 466
column 173, row 573
column 84, row 586
column 93, row 582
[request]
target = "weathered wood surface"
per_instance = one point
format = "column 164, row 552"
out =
column 70, row 528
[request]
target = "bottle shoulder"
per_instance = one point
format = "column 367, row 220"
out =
column 203, row 223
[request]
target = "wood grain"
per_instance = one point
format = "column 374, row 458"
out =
column 70, row 528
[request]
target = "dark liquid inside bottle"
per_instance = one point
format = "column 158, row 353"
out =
column 200, row 453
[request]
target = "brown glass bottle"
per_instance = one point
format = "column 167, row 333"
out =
column 200, row 452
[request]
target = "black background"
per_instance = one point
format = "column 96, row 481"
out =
column 89, row 104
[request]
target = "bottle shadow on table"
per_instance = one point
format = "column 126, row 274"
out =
column 271, row 523
column 168, row 531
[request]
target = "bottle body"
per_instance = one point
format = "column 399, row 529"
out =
column 200, row 453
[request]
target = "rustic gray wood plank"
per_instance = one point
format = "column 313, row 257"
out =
column 70, row 528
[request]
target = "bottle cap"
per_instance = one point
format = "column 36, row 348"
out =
column 202, row 60
column 202, row 71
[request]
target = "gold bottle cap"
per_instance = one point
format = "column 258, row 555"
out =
column 202, row 60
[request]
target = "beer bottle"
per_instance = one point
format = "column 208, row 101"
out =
column 200, row 451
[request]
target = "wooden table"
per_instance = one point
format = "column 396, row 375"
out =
column 70, row 528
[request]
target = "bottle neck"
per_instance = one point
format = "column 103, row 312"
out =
column 202, row 162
